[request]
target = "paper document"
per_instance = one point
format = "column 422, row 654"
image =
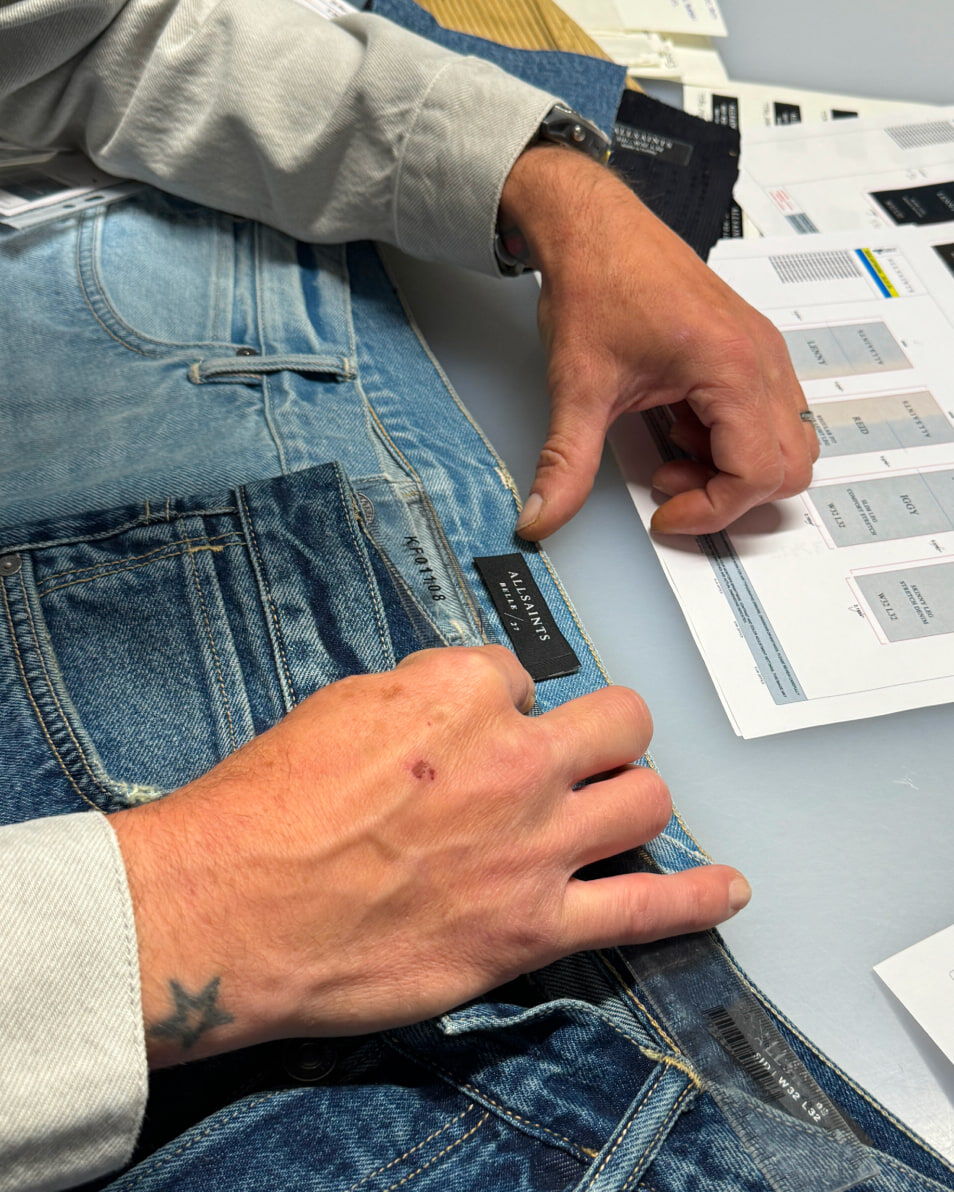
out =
column 655, row 16
column 755, row 105
column 329, row 8
column 35, row 191
column 658, row 56
column 839, row 603
column 922, row 979
column 871, row 173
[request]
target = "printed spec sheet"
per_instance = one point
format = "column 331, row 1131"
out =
column 839, row 603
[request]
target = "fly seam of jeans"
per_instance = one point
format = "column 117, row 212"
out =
column 145, row 519
column 36, row 710
column 485, row 1099
column 433, row 519
column 216, row 660
column 424, row 1141
column 347, row 503
column 623, row 986
column 663, row 1129
column 97, row 780
column 132, row 558
column 621, row 1136
column 191, row 550
column 272, row 426
column 275, row 629
column 94, row 293
column 145, row 1169
column 774, row 1012
column 446, row 1151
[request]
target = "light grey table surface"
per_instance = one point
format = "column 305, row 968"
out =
column 846, row 832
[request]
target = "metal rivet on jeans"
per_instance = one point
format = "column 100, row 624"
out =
column 245, row 352
column 310, row 1061
column 10, row 564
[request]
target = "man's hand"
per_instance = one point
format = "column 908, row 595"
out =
column 399, row 843
column 632, row 318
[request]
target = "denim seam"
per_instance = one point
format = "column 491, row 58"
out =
column 446, row 1151
column 411, row 605
column 148, row 554
column 664, row 1126
column 484, row 1098
column 347, row 503
column 150, row 1167
column 436, row 526
column 267, row 410
column 192, row 550
column 675, row 1062
column 94, row 778
column 216, row 660
column 622, row 1135
column 147, row 518
column 258, row 565
column 33, row 704
column 664, row 1036
column 400, row 1158
column 928, row 1182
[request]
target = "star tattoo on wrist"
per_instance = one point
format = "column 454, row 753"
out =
column 193, row 1015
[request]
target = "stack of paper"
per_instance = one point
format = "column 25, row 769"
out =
column 656, row 39
column 838, row 603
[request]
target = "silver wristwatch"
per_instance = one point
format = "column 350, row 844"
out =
column 560, row 126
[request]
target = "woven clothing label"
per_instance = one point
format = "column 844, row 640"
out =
column 652, row 144
column 530, row 625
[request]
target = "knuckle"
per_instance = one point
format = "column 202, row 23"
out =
column 656, row 802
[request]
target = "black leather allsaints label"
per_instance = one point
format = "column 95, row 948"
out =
column 538, row 643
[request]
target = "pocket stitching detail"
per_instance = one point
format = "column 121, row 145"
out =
column 103, row 574
column 400, row 1158
column 259, row 568
column 233, row 741
column 430, row 1163
column 155, row 551
column 36, row 710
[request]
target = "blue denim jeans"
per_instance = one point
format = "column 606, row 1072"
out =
column 592, row 86
column 155, row 350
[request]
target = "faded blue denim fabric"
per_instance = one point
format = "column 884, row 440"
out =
column 140, row 644
column 591, row 86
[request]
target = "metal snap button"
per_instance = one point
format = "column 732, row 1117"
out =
column 10, row 564
column 246, row 352
column 309, row 1062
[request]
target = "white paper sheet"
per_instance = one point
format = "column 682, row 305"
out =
column 873, row 173
column 757, row 105
column 922, row 979
column 657, row 56
column 839, row 603
column 657, row 16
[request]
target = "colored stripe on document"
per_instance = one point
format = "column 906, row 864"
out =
column 880, row 278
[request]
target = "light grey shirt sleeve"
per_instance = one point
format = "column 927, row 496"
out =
column 72, row 1053
column 330, row 130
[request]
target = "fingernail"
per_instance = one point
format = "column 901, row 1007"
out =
column 677, row 436
column 531, row 511
column 739, row 894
